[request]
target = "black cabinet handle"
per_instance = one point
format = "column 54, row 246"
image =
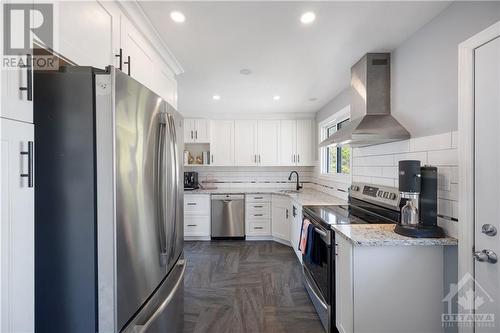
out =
column 286, row 214
column 29, row 83
column 191, row 203
column 29, row 175
column 257, row 215
column 257, row 206
column 128, row 65
column 258, row 228
column 294, row 211
column 192, row 225
column 120, row 57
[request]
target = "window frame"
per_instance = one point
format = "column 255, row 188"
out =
column 334, row 120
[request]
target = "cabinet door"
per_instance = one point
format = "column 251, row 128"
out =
column 268, row 140
column 305, row 151
column 245, row 142
column 189, row 130
column 288, row 129
column 141, row 66
column 222, row 142
column 196, row 225
column 344, row 298
column 202, row 130
column 296, row 228
column 281, row 217
column 16, row 230
column 85, row 33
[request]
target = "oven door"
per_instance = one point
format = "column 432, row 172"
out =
column 317, row 276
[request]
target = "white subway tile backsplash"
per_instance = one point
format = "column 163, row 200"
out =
column 450, row 194
column 419, row 156
column 448, row 157
column 385, row 160
column 384, row 149
column 361, row 179
column 454, row 139
column 431, row 142
column 390, row 172
column 450, row 227
column 383, row 181
column 370, row 171
column 445, row 207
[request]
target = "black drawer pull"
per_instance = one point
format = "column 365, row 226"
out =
column 258, row 197
column 258, row 227
column 257, row 214
column 191, row 203
column 192, row 225
column 257, row 206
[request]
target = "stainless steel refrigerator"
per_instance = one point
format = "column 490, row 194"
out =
column 108, row 205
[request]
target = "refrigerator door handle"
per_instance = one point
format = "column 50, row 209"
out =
column 175, row 184
column 160, row 184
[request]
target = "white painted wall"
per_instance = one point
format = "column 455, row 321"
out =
column 424, row 70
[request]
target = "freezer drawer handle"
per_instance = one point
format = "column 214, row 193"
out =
column 29, row 175
column 29, row 83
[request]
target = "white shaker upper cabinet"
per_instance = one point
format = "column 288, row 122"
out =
column 268, row 139
column 245, row 150
column 196, row 130
column 288, row 134
column 85, row 33
column 222, row 142
column 305, row 151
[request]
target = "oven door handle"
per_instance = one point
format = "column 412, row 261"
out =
column 320, row 232
column 312, row 286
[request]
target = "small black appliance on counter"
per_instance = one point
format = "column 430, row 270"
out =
column 418, row 189
column 190, row 180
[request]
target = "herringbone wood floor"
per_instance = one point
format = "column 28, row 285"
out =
column 238, row 286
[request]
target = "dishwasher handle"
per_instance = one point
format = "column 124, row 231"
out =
column 228, row 197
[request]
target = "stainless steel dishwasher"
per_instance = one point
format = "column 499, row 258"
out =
column 228, row 216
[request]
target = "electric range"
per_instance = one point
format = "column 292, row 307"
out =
column 367, row 204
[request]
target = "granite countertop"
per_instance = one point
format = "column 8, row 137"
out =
column 384, row 235
column 306, row 197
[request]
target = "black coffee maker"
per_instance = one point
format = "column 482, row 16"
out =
column 190, row 180
column 418, row 189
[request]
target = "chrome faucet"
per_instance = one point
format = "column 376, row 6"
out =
column 298, row 186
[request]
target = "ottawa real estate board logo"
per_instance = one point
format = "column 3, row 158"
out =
column 28, row 36
column 473, row 300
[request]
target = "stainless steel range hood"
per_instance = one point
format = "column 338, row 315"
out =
column 371, row 120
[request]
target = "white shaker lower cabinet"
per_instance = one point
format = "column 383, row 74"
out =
column 281, row 218
column 296, row 227
column 197, row 216
column 258, row 216
column 17, row 271
column 376, row 289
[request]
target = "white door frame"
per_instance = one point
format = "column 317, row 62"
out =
column 466, row 148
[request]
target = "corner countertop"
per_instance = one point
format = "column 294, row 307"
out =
column 306, row 197
column 384, row 235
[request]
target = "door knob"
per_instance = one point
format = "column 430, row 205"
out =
column 486, row 255
column 489, row 229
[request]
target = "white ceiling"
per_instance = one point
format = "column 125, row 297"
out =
column 287, row 58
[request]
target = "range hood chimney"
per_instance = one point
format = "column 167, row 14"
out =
column 371, row 120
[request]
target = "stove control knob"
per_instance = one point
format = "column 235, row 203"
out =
column 386, row 195
column 392, row 196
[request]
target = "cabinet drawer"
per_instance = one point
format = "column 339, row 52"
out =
column 196, row 226
column 259, row 228
column 258, row 198
column 258, row 207
column 197, row 204
column 258, row 215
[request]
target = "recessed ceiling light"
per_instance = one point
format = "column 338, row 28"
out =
column 216, row 97
column 308, row 17
column 177, row 17
column 245, row 71
column 276, row 97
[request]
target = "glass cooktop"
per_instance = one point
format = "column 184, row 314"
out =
column 340, row 215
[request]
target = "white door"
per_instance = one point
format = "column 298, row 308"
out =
column 268, row 142
column 305, row 151
column 281, row 217
column 189, row 129
column 245, row 153
column 222, row 142
column 288, row 129
column 17, row 271
column 487, row 184
column 202, row 130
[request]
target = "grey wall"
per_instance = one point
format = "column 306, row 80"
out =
column 336, row 104
column 424, row 69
